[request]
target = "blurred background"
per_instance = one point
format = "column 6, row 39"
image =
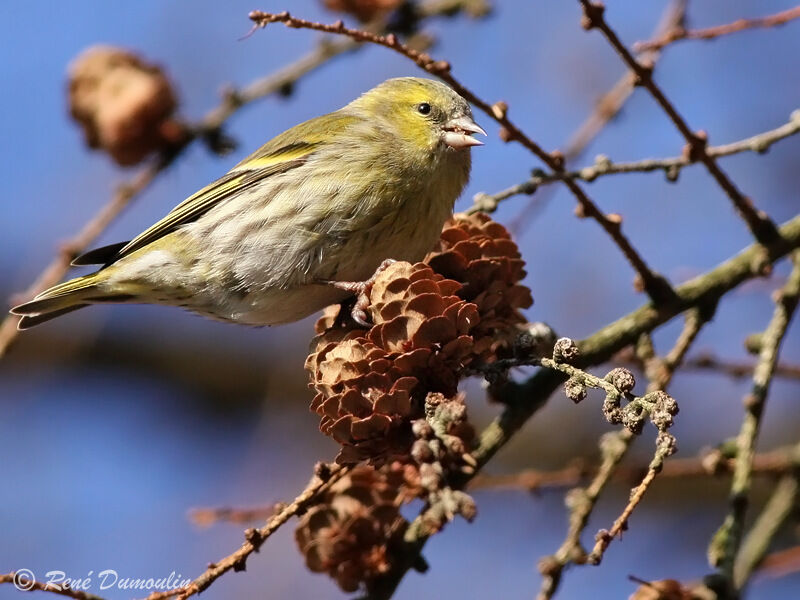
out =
column 117, row 420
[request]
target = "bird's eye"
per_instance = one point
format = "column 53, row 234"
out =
column 424, row 108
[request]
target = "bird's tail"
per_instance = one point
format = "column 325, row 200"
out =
column 64, row 298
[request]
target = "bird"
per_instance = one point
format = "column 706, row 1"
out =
column 305, row 221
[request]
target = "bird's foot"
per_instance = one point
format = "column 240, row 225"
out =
column 361, row 290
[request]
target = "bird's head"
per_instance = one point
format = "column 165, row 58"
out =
column 424, row 113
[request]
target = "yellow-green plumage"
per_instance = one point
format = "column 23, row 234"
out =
column 327, row 200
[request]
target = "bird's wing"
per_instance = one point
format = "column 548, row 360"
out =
column 283, row 153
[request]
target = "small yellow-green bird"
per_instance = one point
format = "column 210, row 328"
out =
column 301, row 223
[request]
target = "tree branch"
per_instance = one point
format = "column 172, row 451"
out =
column 205, row 517
column 524, row 399
column 325, row 476
column 605, row 110
column 777, row 510
column 725, row 543
column 25, row 584
column 760, row 225
column 708, row 33
column 671, row 166
column 714, row 464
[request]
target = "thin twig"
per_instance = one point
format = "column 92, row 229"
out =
column 205, row 517
column 725, row 542
column 781, row 563
column 254, row 538
column 766, row 464
column 775, row 513
column 605, row 110
column 708, row 362
column 760, row 225
column 660, row 372
column 25, row 584
column 655, row 285
column 671, row 166
column 709, row 33
column 664, row 448
column 614, row 447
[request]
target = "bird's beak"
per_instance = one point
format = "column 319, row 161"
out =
column 456, row 133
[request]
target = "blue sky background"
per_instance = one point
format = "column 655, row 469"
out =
column 101, row 461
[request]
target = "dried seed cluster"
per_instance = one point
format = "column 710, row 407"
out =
column 389, row 394
column 371, row 384
column 480, row 254
column 349, row 533
column 123, row 103
column 430, row 322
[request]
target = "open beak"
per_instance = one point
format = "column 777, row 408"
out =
column 457, row 133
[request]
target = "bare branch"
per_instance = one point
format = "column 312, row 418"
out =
column 708, row 33
column 762, row 228
column 777, row 510
column 605, row 110
column 725, row 543
column 205, row 517
column 24, row 583
column 708, row 362
column 713, row 464
column 671, row 166
column 255, row 538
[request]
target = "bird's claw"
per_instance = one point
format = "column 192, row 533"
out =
column 361, row 290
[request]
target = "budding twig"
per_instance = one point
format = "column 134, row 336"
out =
column 708, row 33
column 760, row 225
column 614, row 447
column 671, row 166
column 725, row 543
column 254, row 538
column 606, row 108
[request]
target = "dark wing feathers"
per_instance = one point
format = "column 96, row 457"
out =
column 99, row 256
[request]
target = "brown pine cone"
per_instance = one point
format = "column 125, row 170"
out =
column 371, row 383
column 348, row 534
column 430, row 322
column 123, row 103
column 480, row 254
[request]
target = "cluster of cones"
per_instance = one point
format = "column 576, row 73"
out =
column 351, row 532
column 431, row 321
column 389, row 394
